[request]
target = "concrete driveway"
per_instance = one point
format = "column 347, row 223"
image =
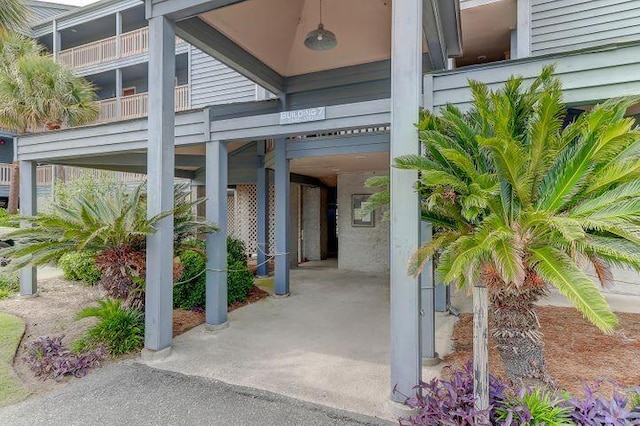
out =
column 133, row 394
column 327, row 343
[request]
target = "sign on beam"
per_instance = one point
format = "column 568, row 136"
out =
column 302, row 115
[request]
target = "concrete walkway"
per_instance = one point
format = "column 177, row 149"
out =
column 132, row 394
column 327, row 343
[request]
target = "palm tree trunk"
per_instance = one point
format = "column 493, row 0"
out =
column 516, row 329
column 14, row 188
column 481, row 353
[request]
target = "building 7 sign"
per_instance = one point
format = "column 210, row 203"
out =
column 302, row 115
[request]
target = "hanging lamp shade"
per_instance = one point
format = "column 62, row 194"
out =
column 320, row 39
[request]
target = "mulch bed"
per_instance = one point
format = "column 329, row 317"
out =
column 185, row 320
column 576, row 351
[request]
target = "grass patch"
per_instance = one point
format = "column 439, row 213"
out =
column 11, row 330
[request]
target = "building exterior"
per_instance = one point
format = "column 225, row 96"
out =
column 295, row 132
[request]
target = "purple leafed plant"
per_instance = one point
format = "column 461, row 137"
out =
column 451, row 402
column 594, row 410
column 50, row 359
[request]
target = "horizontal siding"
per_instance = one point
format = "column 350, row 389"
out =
column 109, row 138
column 214, row 83
column 85, row 14
column 587, row 77
column 567, row 25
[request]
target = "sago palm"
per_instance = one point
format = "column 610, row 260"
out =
column 519, row 202
column 37, row 92
column 114, row 227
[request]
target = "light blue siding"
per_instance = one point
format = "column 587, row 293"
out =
column 567, row 25
column 214, row 83
column 587, row 77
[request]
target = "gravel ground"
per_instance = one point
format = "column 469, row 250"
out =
column 132, row 394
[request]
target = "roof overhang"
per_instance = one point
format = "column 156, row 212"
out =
column 263, row 39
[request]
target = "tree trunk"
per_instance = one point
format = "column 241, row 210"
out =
column 516, row 329
column 481, row 354
column 14, row 188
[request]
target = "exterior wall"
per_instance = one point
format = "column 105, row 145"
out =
column 312, row 214
column 587, row 77
column 566, row 25
column 215, row 83
column 360, row 249
column 294, row 226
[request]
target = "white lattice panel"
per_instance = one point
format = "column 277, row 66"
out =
column 231, row 216
column 242, row 212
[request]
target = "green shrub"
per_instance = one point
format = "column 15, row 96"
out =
column 239, row 282
column 120, row 329
column 634, row 400
column 190, row 291
column 80, row 266
column 535, row 407
column 9, row 220
column 9, row 283
column 236, row 251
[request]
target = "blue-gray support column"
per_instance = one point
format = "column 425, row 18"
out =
column 427, row 309
column 283, row 218
column 406, row 75
column 28, row 207
column 160, row 169
column 262, row 216
column 216, row 212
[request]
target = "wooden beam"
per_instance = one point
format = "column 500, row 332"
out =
column 181, row 9
column 214, row 43
column 433, row 32
column 451, row 26
column 361, row 143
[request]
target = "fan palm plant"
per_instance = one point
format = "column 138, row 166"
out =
column 13, row 15
column 37, row 92
column 519, row 202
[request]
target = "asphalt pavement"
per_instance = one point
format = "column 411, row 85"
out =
column 128, row 393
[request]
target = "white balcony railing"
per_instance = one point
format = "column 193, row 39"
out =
column 44, row 175
column 134, row 42
column 131, row 43
column 136, row 106
column 89, row 54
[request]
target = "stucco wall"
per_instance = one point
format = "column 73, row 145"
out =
column 360, row 249
column 311, row 223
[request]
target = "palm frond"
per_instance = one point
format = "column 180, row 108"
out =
column 559, row 270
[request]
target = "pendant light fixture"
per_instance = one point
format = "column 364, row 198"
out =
column 320, row 39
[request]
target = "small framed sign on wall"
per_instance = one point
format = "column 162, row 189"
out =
column 360, row 217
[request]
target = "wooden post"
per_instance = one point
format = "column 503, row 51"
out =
column 404, row 232
column 481, row 350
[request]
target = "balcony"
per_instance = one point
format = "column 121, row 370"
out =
column 101, row 51
column 135, row 106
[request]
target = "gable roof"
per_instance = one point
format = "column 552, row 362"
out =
column 44, row 11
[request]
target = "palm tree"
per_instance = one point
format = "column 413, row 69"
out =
column 37, row 92
column 520, row 202
column 13, row 15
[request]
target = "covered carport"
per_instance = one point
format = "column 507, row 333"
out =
column 372, row 80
